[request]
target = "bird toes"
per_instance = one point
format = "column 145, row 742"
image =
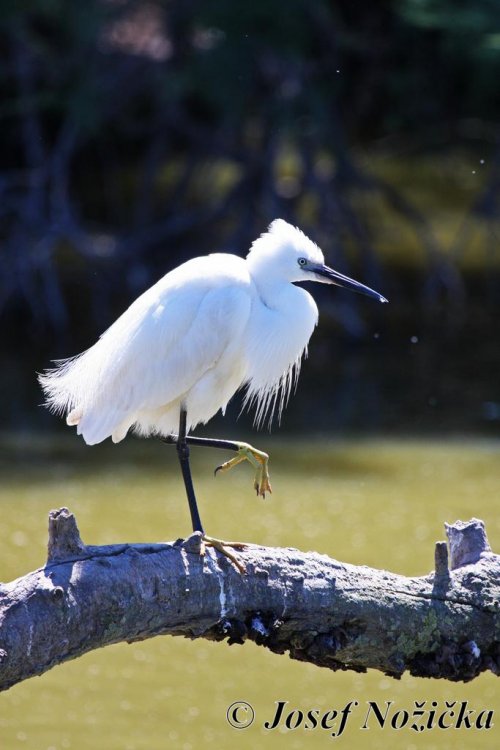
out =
column 222, row 547
column 263, row 486
column 259, row 461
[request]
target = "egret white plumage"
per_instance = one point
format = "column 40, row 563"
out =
column 177, row 355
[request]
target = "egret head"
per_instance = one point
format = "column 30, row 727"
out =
column 284, row 252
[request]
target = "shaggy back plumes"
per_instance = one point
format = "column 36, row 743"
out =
column 83, row 384
column 62, row 386
column 74, row 382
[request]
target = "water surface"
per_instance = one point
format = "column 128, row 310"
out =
column 375, row 502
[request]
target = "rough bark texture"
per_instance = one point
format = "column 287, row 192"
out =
column 335, row 615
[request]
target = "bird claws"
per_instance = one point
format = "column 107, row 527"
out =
column 262, row 484
column 259, row 461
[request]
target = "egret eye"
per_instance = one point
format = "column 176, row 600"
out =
column 302, row 261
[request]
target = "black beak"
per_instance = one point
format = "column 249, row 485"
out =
column 334, row 277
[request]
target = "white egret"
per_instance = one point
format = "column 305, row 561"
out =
column 180, row 351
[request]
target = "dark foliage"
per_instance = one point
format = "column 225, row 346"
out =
column 137, row 134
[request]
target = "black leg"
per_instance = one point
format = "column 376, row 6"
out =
column 183, row 453
column 181, row 441
column 227, row 445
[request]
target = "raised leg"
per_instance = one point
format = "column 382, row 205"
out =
column 258, row 459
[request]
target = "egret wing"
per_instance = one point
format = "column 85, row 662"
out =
column 187, row 339
column 157, row 350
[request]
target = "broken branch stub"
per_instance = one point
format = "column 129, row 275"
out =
column 64, row 537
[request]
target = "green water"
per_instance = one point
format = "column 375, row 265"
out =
column 378, row 502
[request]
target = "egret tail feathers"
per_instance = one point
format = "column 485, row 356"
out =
column 98, row 424
column 74, row 417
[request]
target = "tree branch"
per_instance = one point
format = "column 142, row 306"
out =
column 336, row 615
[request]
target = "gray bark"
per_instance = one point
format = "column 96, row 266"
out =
column 335, row 615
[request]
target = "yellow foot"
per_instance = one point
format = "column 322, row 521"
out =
column 221, row 546
column 259, row 461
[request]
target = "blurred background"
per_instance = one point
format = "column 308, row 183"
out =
column 136, row 135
